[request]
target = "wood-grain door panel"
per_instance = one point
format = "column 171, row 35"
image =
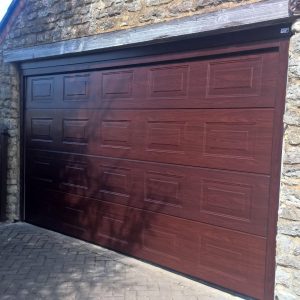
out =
column 223, row 198
column 171, row 161
column 222, row 139
column 245, row 80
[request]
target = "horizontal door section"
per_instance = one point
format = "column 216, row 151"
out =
column 232, row 139
column 232, row 82
column 229, row 199
column 215, row 254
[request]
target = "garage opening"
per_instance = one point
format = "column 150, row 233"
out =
column 173, row 158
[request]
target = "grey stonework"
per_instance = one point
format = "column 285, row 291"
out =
column 9, row 117
column 288, row 238
column 56, row 20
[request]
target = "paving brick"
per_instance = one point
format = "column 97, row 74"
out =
column 39, row 264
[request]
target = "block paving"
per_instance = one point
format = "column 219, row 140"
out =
column 36, row 263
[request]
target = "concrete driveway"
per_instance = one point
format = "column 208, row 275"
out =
column 39, row 264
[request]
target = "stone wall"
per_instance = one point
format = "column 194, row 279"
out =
column 9, row 116
column 288, row 238
column 46, row 21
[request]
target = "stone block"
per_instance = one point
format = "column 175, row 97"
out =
column 157, row 2
column 290, row 211
column 292, row 135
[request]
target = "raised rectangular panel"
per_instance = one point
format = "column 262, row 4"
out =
column 113, row 228
column 72, row 214
column 41, row 130
column 75, row 131
column 42, row 89
column 72, row 229
column 234, row 78
column 226, row 79
column 163, row 189
column 76, row 87
column 227, row 199
column 117, row 84
column 73, row 219
column 165, row 136
column 223, row 255
column 169, row 81
column 40, row 171
column 115, row 133
column 159, row 241
column 74, row 175
column 115, row 180
column 230, row 139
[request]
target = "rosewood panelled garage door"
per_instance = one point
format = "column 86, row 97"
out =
column 168, row 158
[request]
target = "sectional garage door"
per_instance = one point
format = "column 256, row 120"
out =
column 169, row 160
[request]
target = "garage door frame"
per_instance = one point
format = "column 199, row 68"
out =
column 134, row 56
